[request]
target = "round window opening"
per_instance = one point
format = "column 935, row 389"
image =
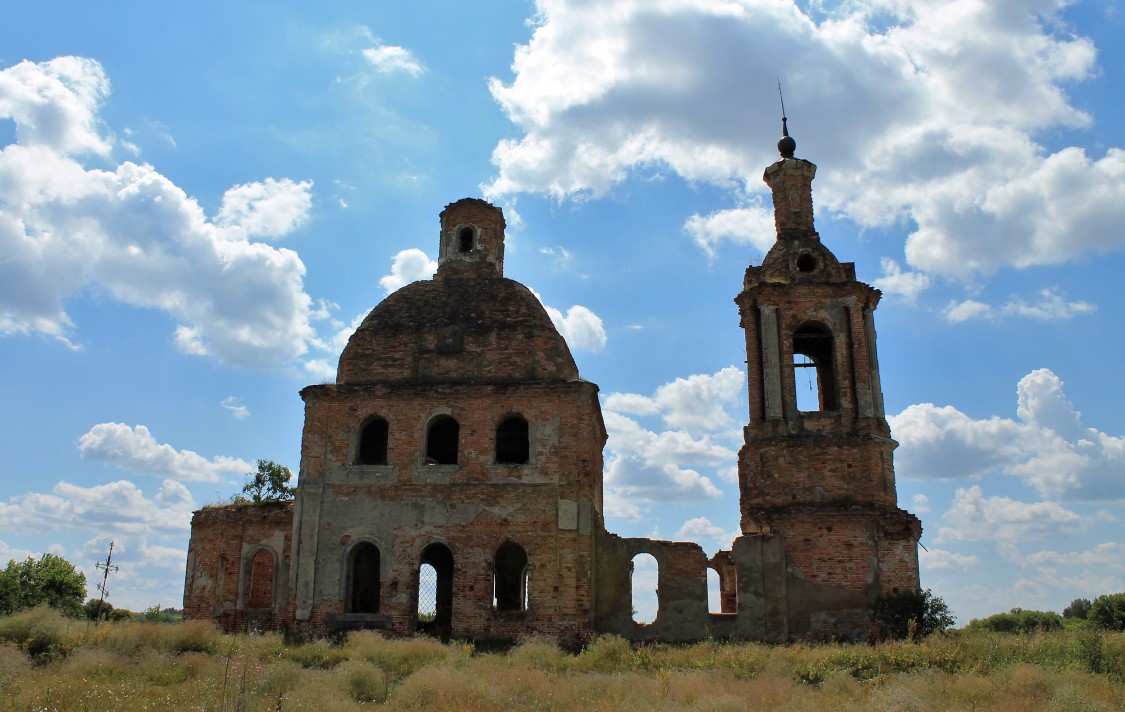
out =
column 806, row 263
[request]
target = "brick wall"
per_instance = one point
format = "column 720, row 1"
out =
column 549, row 506
column 222, row 582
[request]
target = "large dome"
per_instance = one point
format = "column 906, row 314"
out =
column 457, row 327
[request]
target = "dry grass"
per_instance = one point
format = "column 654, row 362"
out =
column 48, row 663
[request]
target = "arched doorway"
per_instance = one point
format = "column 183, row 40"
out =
column 435, row 588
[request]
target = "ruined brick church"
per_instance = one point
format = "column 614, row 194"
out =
column 460, row 440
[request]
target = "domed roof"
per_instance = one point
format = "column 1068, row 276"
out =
column 458, row 327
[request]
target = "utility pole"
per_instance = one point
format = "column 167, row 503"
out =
column 109, row 567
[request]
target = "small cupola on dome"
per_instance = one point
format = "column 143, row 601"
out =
column 472, row 239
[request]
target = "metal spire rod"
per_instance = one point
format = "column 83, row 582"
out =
column 784, row 129
column 108, row 567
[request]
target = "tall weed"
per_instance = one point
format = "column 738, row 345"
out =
column 400, row 657
column 43, row 633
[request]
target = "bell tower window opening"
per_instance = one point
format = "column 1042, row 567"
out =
column 813, row 349
column 512, row 445
column 441, row 441
column 373, row 443
column 466, row 239
column 509, row 591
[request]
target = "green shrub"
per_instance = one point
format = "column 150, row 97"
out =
column 364, row 681
column 316, row 654
column 400, row 657
column 1108, row 611
column 43, row 633
column 1019, row 621
column 129, row 637
column 608, row 653
column 910, row 615
column 191, row 637
column 538, row 654
column 1078, row 608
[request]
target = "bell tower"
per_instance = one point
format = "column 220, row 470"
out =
column 816, row 472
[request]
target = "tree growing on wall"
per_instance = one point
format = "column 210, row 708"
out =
column 269, row 484
column 49, row 581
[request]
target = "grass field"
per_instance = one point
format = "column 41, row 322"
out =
column 51, row 663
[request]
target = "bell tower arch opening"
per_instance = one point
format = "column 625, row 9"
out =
column 813, row 349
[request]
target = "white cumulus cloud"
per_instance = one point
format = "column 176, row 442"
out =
column 408, row 266
column 942, row 560
column 975, row 517
column 118, row 506
column 134, row 448
column 708, row 535
column 269, row 208
column 1046, row 444
column 582, row 328
column 136, row 235
column 899, row 98
column 895, row 280
column 741, row 226
column 676, row 463
column 1052, row 306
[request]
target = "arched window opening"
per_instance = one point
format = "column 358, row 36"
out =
column 814, row 374
column 645, row 576
column 509, row 589
column 427, row 593
column 465, row 240
column 512, row 444
column 435, row 591
column 373, row 443
column 259, row 583
column 714, row 592
column 363, row 590
column 441, row 441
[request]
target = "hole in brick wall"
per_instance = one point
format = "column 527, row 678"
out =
column 465, row 239
column 644, row 583
column 512, row 445
column 509, row 591
column 714, row 592
column 441, row 441
column 806, row 263
column 363, row 572
column 373, row 442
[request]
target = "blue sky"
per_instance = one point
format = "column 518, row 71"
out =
column 197, row 202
